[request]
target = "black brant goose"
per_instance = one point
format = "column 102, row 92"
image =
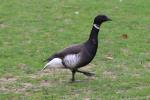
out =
column 77, row 56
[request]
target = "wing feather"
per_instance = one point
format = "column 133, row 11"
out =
column 74, row 49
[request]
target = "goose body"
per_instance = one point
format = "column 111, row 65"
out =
column 77, row 56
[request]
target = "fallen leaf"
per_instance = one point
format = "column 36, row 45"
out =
column 109, row 57
column 124, row 36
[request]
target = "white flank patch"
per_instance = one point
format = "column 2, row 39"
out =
column 71, row 60
column 54, row 63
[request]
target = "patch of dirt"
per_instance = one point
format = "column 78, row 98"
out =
column 121, row 91
column 27, row 85
column 2, row 25
column 44, row 83
column 88, row 67
column 136, row 75
column 147, row 65
column 7, row 80
column 86, row 98
column 142, row 87
column 48, row 72
column 125, row 51
column 21, row 66
column 9, row 83
column 109, row 74
column 23, row 88
column 61, row 30
column 108, row 41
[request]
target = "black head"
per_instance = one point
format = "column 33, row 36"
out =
column 100, row 19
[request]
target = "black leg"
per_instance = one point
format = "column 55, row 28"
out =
column 86, row 73
column 73, row 75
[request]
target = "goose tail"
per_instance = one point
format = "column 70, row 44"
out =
column 54, row 63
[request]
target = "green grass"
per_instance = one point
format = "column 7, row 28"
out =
column 31, row 30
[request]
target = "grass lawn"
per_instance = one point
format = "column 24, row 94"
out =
column 31, row 30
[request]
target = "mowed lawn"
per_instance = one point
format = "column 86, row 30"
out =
column 31, row 30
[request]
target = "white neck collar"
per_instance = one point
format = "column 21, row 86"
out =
column 96, row 26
